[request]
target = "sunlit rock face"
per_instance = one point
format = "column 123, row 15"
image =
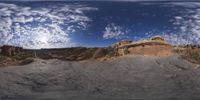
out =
column 38, row 25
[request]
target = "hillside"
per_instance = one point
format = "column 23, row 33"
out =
column 156, row 46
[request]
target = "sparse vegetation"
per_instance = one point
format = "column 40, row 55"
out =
column 191, row 53
column 110, row 52
column 1, row 58
column 99, row 53
column 126, row 50
column 20, row 56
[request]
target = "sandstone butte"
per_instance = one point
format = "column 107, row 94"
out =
column 156, row 46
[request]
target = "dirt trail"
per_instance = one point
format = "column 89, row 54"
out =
column 128, row 77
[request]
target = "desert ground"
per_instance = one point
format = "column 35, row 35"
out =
column 122, row 78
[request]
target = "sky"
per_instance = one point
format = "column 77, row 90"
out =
column 50, row 24
column 101, row 0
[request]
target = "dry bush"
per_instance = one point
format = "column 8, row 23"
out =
column 99, row 53
column 192, row 54
column 21, row 56
column 111, row 52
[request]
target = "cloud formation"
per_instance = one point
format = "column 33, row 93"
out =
column 27, row 26
column 187, row 23
column 114, row 31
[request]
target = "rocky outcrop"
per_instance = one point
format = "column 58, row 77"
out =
column 7, row 50
column 151, row 50
column 155, row 46
column 18, row 49
column 121, row 43
column 158, row 38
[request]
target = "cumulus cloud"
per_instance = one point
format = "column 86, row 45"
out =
column 114, row 31
column 185, row 21
column 187, row 24
column 183, row 4
column 42, row 26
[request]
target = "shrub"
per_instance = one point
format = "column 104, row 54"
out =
column 191, row 54
column 21, row 56
column 194, row 54
column 101, row 52
column 126, row 50
column 110, row 52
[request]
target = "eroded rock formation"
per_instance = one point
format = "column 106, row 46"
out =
column 8, row 50
column 155, row 46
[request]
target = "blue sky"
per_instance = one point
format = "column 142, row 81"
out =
column 92, row 24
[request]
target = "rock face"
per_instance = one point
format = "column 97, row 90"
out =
column 7, row 50
column 154, row 50
column 153, row 47
column 121, row 43
column 18, row 49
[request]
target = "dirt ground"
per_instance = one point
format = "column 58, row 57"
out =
column 123, row 78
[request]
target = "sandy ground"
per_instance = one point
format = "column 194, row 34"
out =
column 124, row 78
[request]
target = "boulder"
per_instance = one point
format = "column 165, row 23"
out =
column 26, row 61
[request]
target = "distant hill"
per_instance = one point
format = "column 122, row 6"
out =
column 156, row 46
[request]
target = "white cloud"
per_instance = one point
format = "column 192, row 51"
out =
column 186, row 22
column 22, row 19
column 183, row 4
column 5, row 5
column 188, row 26
column 5, row 29
column 31, row 27
column 82, row 10
column 113, row 31
column 188, row 4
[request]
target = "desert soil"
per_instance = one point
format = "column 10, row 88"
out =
column 123, row 78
